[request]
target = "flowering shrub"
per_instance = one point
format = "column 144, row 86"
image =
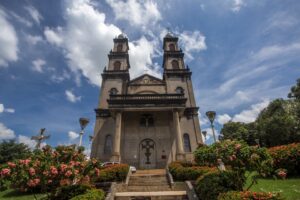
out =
column 247, row 195
column 49, row 168
column 210, row 185
column 112, row 173
column 188, row 171
column 287, row 157
column 236, row 154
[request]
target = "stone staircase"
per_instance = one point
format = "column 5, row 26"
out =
column 150, row 185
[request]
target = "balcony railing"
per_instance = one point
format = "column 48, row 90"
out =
column 146, row 100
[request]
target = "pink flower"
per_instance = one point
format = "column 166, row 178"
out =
column 49, row 181
column 282, row 174
column 25, row 162
column 53, row 170
column 97, row 171
column 63, row 167
column 238, row 146
column 5, row 172
column 76, row 171
column 11, row 164
column 68, row 173
column 33, row 182
column 31, row 171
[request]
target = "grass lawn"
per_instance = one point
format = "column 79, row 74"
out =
column 289, row 188
column 13, row 195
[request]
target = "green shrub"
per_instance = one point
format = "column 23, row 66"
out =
column 248, row 195
column 70, row 191
column 113, row 173
column 210, row 185
column 287, row 157
column 93, row 194
column 187, row 171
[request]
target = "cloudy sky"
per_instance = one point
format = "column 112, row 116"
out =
column 243, row 54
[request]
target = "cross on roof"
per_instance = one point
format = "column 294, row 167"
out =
column 40, row 137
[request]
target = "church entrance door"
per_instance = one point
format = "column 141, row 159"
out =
column 147, row 154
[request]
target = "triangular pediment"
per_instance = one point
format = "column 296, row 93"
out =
column 146, row 79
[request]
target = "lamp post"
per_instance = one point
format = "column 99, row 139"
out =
column 204, row 133
column 211, row 116
column 83, row 123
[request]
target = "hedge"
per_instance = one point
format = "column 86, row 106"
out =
column 210, row 185
column 187, row 171
column 113, row 173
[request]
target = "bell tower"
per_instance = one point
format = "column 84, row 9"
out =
column 114, row 80
column 178, row 80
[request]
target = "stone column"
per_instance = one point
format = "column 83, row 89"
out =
column 180, row 151
column 117, row 138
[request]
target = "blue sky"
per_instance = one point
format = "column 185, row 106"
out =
column 243, row 54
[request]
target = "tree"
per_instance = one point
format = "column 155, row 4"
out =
column 295, row 91
column 240, row 131
column 278, row 123
column 10, row 150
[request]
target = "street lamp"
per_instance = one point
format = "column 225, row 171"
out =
column 211, row 116
column 83, row 123
column 204, row 133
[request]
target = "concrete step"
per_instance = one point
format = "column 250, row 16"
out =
column 148, row 183
column 150, row 172
column 165, row 195
column 139, row 188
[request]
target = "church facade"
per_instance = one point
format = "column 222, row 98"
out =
column 146, row 122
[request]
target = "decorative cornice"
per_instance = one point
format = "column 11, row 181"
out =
column 177, row 73
column 191, row 111
column 102, row 112
column 113, row 74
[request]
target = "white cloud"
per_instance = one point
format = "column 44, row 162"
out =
column 222, row 119
column 192, row 42
column 251, row 114
column 26, row 140
column 203, row 119
column 53, row 36
column 6, row 133
column 72, row 135
column 33, row 39
column 87, row 39
column 237, row 5
column 20, row 19
column 34, row 13
column 140, row 57
column 38, row 65
column 8, row 110
column 137, row 13
column 72, row 97
column 8, row 41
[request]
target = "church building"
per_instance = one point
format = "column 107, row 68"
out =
column 146, row 122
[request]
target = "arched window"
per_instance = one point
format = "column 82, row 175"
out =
column 113, row 91
column 119, row 47
column 175, row 64
column 117, row 65
column 147, row 120
column 171, row 47
column 108, row 144
column 179, row 90
column 186, row 142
